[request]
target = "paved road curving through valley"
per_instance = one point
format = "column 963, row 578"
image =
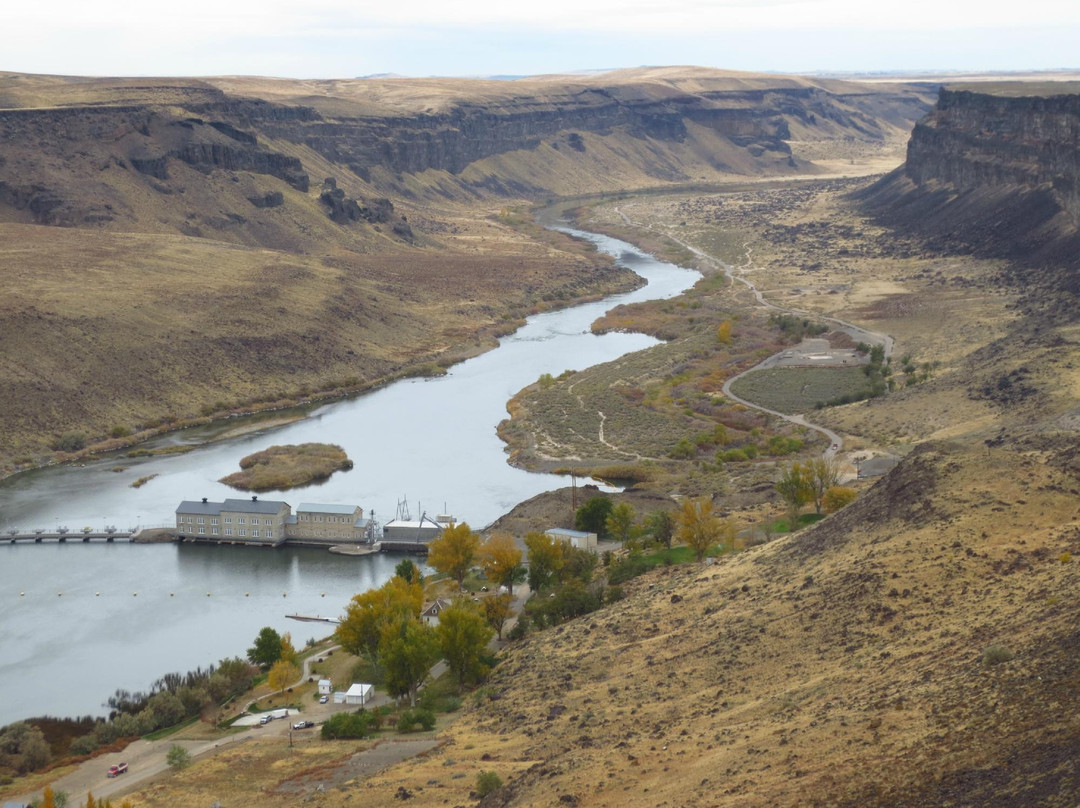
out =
column 856, row 332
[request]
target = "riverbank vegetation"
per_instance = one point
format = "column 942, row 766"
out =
column 280, row 468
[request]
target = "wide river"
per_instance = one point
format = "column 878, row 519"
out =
column 78, row 621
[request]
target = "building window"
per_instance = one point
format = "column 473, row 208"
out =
column 241, row 521
column 255, row 533
column 202, row 530
column 213, row 520
column 228, row 520
column 200, row 520
column 228, row 531
column 213, row 530
column 269, row 533
column 242, row 531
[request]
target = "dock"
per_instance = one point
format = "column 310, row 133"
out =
column 304, row 618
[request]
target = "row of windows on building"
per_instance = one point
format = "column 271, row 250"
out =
column 240, row 520
column 306, row 517
column 267, row 533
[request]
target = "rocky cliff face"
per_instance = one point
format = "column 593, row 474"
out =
column 993, row 174
column 451, row 141
column 122, row 165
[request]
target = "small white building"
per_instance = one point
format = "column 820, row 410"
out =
column 419, row 531
column 359, row 694
column 575, row 538
column 326, row 687
column 339, row 697
column 430, row 614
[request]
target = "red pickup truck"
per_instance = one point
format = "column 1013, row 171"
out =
column 117, row 770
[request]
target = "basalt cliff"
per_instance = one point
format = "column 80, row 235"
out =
column 996, row 174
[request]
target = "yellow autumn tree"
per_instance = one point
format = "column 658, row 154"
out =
column 723, row 332
column 837, row 497
column 698, row 527
column 368, row 614
column 500, row 559
column 454, row 551
column 288, row 650
column 282, row 674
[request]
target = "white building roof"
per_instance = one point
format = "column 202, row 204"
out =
column 562, row 531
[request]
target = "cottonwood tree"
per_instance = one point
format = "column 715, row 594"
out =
column 497, row 610
column 500, row 559
column 698, row 527
column 592, row 516
column 361, row 628
column 454, row 551
column 409, row 571
column 620, row 522
column 23, row 748
column 794, row 488
column 266, row 650
column 661, row 526
column 822, row 473
column 288, row 650
column 407, row 650
column 546, row 556
column 837, row 497
column 463, row 634
column 282, row 674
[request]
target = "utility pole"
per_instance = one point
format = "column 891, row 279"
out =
column 573, row 492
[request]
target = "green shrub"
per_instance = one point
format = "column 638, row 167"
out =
column 348, row 725
column 683, row 450
column 996, row 654
column 486, row 782
column 178, row 757
column 416, row 718
column 519, row 629
column 626, row 568
column 71, row 441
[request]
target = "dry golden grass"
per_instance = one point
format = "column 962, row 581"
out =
column 109, row 330
column 840, row 666
column 281, row 467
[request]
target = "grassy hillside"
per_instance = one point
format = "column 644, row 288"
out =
column 919, row 648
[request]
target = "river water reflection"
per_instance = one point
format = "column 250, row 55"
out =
column 78, row 621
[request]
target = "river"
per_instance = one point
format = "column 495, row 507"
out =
column 78, row 621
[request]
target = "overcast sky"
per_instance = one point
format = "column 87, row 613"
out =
column 344, row 38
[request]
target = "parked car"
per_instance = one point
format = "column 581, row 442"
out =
column 323, row 699
column 117, row 770
column 303, row 724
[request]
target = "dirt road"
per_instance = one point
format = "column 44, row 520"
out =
column 856, row 332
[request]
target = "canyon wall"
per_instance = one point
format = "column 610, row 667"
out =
column 993, row 174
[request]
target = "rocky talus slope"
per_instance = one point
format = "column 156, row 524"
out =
column 995, row 174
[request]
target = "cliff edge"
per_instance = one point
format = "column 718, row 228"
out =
column 996, row 175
